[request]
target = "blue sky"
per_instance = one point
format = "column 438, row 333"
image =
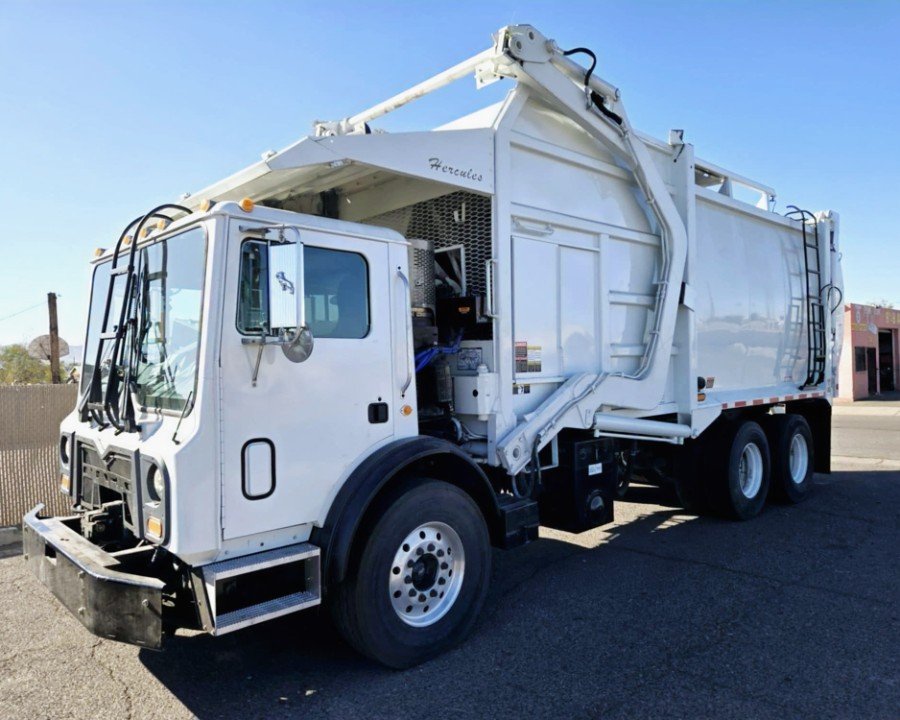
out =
column 108, row 108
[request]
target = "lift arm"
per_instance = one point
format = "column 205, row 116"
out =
column 597, row 107
column 522, row 53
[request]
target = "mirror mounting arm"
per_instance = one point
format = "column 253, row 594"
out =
column 261, row 341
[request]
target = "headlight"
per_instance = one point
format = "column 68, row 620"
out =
column 156, row 484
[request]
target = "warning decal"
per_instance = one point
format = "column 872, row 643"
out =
column 528, row 357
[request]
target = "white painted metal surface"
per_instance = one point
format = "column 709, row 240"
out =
column 621, row 268
column 314, row 413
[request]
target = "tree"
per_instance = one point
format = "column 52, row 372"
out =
column 17, row 367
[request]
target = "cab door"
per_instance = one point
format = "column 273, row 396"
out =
column 290, row 436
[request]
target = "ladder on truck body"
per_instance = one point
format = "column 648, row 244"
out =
column 815, row 307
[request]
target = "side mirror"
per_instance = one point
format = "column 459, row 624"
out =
column 286, row 301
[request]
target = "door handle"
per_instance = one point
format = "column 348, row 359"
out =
column 378, row 412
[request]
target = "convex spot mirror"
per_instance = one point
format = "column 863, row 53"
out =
column 286, row 301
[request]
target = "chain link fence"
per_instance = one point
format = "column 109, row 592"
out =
column 29, row 437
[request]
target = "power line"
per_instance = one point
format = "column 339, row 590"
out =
column 20, row 312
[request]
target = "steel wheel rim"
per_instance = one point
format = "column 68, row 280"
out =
column 750, row 471
column 426, row 574
column 798, row 459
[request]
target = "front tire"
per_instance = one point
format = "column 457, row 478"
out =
column 421, row 578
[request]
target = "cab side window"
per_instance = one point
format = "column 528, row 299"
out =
column 336, row 288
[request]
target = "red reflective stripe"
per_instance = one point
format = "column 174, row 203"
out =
column 740, row 403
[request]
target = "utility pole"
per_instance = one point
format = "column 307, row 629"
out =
column 54, row 339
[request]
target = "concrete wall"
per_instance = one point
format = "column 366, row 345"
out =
column 29, row 436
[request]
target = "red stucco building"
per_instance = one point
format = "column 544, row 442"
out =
column 869, row 357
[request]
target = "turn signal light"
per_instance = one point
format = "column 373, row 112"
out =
column 154, row 527
column 246, row 204
column 701, row 397
column 65, row 484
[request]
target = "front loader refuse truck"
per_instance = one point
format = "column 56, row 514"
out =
column 343, row 374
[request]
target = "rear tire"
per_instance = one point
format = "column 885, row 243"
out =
column 793, row 457
column 421, row 577
column 741, row 480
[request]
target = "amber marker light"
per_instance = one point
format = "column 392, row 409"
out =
column 65, row 484
column 154, row 527
column 406, row 410
column 247, row 204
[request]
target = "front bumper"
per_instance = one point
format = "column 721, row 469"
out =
column 110, row 603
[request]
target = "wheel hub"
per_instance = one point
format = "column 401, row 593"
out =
column 750, row 470
column 426, row 574
column 798, row 459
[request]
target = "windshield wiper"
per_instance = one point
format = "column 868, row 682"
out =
column 188, row 403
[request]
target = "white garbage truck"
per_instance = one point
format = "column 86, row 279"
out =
column 343, row 374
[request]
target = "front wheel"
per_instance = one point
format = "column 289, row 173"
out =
column 421, row 578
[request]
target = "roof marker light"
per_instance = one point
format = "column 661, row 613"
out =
column 246, row 204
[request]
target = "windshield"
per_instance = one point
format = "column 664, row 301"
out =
column 170, row 286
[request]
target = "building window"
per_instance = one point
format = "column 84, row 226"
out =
column 859, row 359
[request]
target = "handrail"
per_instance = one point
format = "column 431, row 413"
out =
column 489, row 287
column 408, row 326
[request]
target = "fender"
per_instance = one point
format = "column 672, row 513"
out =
column 335, row 537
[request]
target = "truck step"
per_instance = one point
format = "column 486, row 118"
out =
column 269, row 610
column 254, row 588
column 259, row 561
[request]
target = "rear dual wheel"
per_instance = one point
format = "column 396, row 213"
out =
column 751, row 464
column 792, row 457
column 743, row 476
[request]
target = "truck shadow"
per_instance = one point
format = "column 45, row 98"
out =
column 656, row 591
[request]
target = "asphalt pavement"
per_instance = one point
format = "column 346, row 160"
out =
column 663, row 614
